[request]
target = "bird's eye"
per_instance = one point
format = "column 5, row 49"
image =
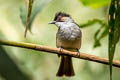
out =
column 59, row 18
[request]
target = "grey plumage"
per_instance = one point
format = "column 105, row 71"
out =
column 68, row 37
column 69, row 31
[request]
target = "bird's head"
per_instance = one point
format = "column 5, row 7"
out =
column 61, row 17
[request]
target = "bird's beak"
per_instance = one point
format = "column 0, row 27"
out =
column 52, row 22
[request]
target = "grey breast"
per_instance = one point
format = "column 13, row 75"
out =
column 69, row 36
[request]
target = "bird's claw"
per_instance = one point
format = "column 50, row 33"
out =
column 61, row 49
column 78, row 53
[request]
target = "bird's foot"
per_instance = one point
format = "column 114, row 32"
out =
column 78, row 53
column 61, row 49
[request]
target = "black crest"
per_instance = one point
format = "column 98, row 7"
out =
column 62, row 14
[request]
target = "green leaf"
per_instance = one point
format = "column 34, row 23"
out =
column 95, row 3
column 97, row 41
column 100, row 33
column 38, row 5
column 8, row 68
column 91, row 22
column 114, row 30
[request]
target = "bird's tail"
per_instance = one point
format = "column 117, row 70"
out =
column 66, row 67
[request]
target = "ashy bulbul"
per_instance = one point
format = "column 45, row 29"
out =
column 68, row 37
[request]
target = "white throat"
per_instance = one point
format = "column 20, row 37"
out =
column 68, row 22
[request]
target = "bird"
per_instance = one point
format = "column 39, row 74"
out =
column 68, row 37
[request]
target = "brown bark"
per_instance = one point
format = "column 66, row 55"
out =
column 83, row 56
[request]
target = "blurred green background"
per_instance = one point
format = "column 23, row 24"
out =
column 42, row 66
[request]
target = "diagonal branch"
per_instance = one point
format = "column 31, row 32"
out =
column 36, row 47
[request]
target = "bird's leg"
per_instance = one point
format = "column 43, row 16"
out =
column 78, row 53
column 61, row 49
